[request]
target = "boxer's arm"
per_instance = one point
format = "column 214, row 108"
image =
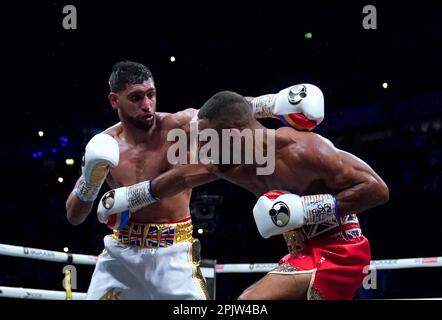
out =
column 76, row 210
column 101, row 154
column 360, row 187
column 365, row 188
column 184, row 117
column 181, row 178
column 125, row 200
column 299, row 106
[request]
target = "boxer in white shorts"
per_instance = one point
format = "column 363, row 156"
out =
column 157, row 270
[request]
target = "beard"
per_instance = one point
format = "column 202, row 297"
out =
column 142, row 122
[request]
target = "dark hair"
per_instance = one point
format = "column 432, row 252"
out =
column 226, row 109
column 127, row 72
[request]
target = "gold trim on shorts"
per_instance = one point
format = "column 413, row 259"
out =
column 111, row 294
column 287, row 269
column 195, row 260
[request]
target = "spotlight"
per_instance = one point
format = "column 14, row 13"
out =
column 41, row 133
column 54, row 150
column 172, row 59
column 385, row 85
column 308, row 35
column 200, row 231
column 60, row 179
column 66, row 249
column 69, row 162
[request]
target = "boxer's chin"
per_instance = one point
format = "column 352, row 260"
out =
column 143, row 122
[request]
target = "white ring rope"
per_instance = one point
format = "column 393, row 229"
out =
column 55, row 256
column 25, row 293
column 41, row 254
column 375, row 265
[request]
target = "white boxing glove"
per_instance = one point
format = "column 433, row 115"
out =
column 278, row 211
column 101, row 154
column 300, row 106
column 116, row 205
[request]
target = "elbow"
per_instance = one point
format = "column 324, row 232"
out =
column 71, row 216
column 381, row 192
column 72, row 220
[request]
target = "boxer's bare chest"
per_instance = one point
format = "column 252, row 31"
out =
column 139, row 163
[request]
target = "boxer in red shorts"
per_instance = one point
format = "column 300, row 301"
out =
column 316, row 191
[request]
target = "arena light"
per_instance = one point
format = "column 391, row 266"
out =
column 69, row 162
column 172, row 59
column 200, row 231
column 41, row 133
column 66, row 249
column 385, row 85
column 308, row 35
column 60, row 179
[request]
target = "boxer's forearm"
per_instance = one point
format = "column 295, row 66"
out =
column 360, row 187
column 76, row 210
column 180, row 179
column 363, row 196
column 249, row 100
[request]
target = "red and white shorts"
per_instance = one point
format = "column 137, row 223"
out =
column 337, row 266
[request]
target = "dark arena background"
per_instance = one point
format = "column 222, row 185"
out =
column 383, row 103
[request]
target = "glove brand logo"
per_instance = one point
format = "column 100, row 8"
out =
column 297, row 93
column 108, row 199
column 280, row 214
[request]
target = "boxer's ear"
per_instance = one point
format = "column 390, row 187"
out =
column 113, row 100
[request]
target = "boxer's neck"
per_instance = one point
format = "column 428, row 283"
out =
column 135, row 135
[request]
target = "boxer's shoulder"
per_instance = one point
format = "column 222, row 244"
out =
column 114, row 130
column 184, row 116
column 178, row 119
column 288, row 135
column 303, row 146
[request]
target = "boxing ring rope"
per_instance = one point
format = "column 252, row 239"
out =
column 375, row 264
column 62, row 257
column 38, row 294
column 47, row 255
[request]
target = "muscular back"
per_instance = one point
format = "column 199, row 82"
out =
column 148, row 159
column 306, row 164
